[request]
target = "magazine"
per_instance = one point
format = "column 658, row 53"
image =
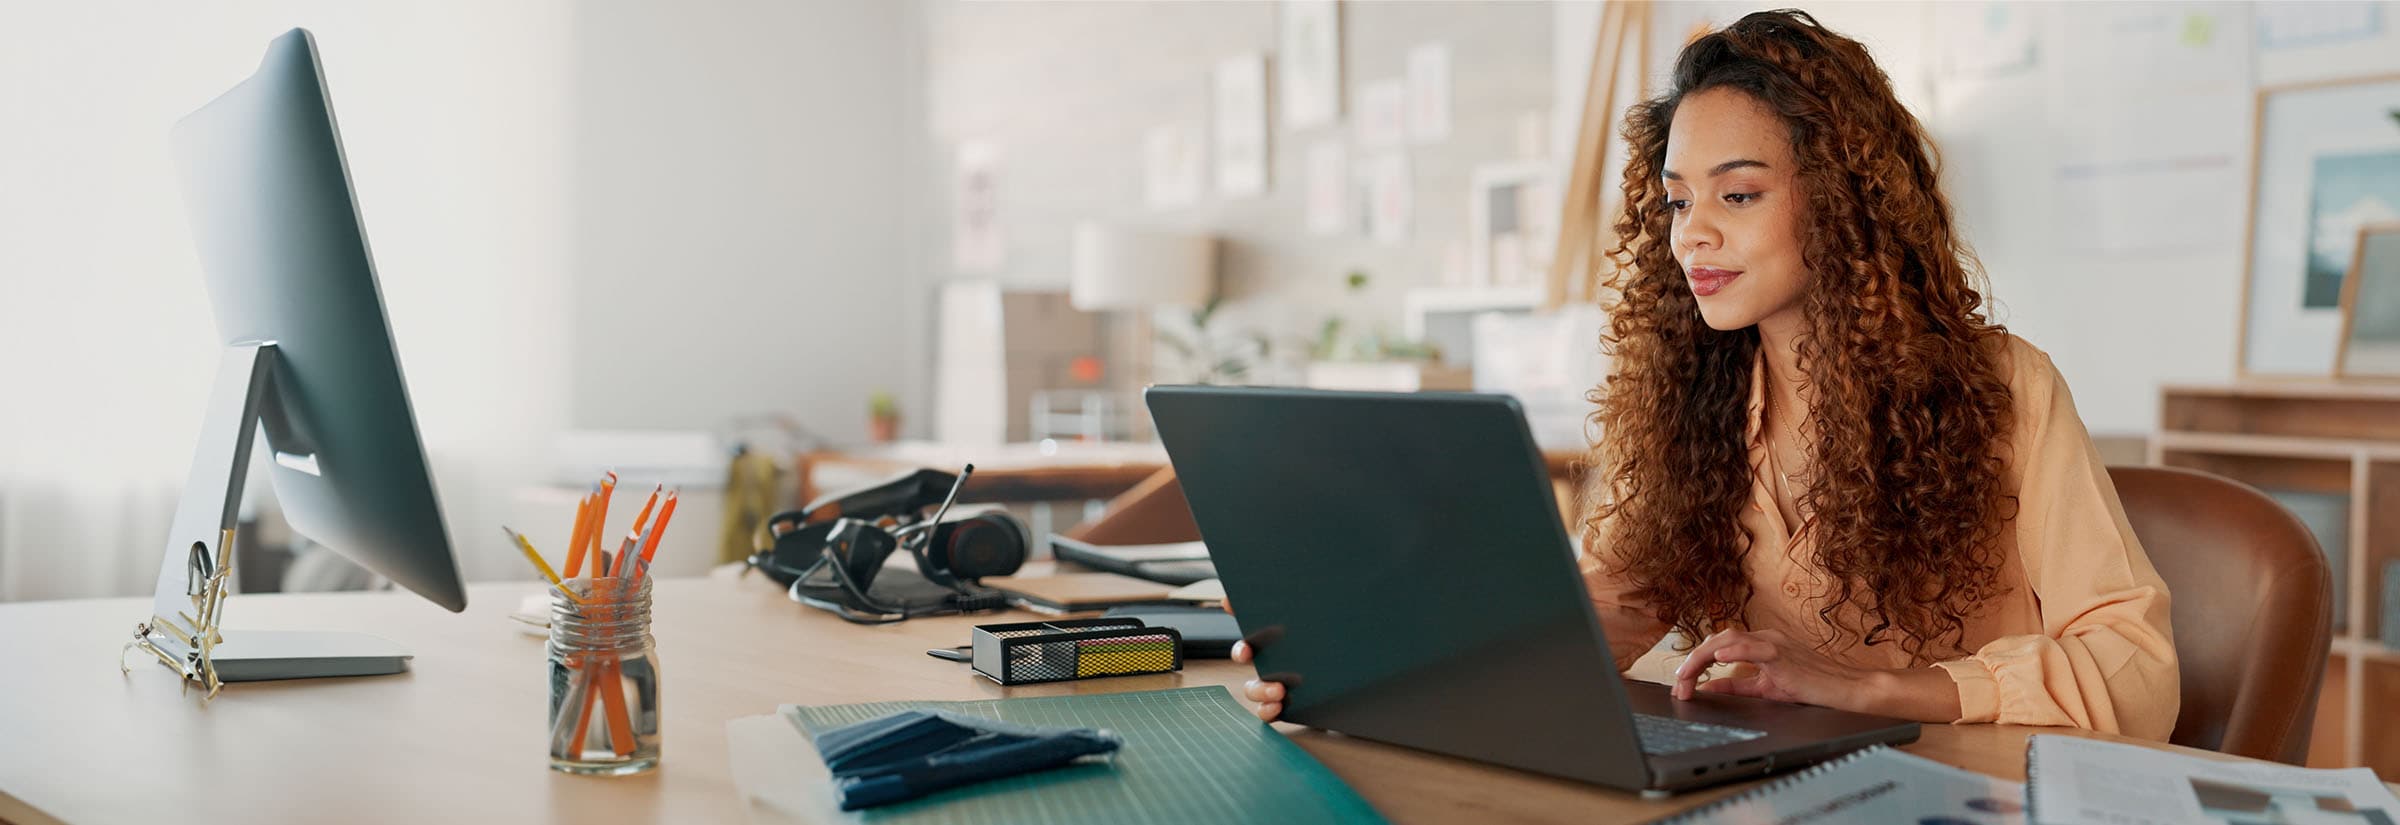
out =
column 2077, row 780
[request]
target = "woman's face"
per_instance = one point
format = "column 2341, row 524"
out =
column 1735, row 195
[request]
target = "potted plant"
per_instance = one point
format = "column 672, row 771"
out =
column 883, row 417
column 1210, row 357
column 1343, row 359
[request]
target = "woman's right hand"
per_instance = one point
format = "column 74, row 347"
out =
column 1268, row 696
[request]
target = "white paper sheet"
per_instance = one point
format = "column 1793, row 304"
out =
column 1328, row 187
column 976, row 245
column 2078, row 780
column 1391, row 197
column 1309, row 63
column 2112, row 54
column 1429, row 93
column 1383, row 114
column 2149, row 174
column 1171, row 166
column 1241, row 126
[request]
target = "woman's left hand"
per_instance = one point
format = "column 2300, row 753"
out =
column 1786, row 670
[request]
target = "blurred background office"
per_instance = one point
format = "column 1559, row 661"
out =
column 847, row 235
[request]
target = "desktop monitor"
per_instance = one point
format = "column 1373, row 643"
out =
column 308, row 363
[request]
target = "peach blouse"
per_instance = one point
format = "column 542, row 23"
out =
column 2081, row 636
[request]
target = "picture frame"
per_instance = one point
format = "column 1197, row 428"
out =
column 1512, row 214
column 2370, row 338
column 2326, row 160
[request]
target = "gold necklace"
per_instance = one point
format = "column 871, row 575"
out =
column 1790, row 428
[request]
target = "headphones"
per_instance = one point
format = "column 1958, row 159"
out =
column 849, row 535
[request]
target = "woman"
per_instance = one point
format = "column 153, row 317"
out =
column 1817, row 456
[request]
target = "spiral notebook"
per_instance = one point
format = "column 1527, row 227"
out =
column 1874, row 785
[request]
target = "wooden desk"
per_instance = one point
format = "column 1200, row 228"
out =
column 462, row 735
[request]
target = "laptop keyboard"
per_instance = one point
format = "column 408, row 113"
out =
column 1664, row 735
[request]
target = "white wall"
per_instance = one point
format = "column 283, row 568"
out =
column 596, row 214
column 459, row 143
column 1070, row 91
column 740, row 182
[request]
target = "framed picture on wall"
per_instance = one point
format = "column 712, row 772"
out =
column 1512, row 215
column 2327, row 162
column 2371, row 306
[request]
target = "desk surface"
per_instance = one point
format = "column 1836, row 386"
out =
column 462, row 733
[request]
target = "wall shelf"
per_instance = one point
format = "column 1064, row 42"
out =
column 2327, row 438
column 2372, row 651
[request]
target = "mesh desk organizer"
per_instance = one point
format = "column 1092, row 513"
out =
column 1024, row 653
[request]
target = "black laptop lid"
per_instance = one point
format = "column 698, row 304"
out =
column 1399, row 561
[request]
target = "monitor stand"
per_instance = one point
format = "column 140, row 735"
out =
column 185, row 631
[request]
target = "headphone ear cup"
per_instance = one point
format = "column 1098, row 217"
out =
column 987, row 544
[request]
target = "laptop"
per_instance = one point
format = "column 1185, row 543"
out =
column 1399, row 563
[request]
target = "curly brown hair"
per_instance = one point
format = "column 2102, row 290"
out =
column 1909, row 412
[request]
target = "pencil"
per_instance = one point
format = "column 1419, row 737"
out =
column 608, row 487
column 535, row 556
column 633, row 538
column 630, row 567
column 657, row 531
column 644, row 517
column 620, row 720
column 576, row 537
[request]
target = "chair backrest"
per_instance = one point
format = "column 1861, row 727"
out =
column 2253, row 608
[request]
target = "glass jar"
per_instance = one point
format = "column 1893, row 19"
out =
column 604, row 709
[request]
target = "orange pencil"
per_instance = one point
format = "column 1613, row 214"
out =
column 608, row 487
column 633, row 538
column 620, row 720
column 583, row 720
column 643, row 518
column 629, row 569
column 576, row 537
column 607, row 678
column 650, row 541
column 608, row 691
column 606, row 681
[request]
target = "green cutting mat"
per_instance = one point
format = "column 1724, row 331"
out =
column 1190, row 755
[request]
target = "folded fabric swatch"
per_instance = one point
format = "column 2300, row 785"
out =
column 913, row 753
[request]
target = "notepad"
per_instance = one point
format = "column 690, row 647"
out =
column 1190, row 755
column 1873, row 785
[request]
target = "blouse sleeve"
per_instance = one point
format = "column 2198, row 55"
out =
column 2105, row 659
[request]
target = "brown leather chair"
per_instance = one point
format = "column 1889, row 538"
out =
column 2253, row 608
